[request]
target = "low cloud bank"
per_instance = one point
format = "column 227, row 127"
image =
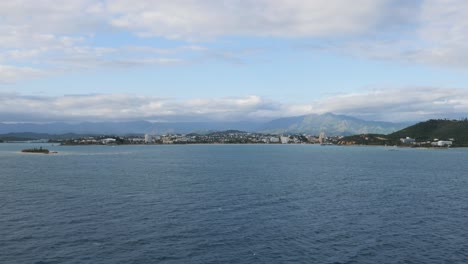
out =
column 409, row 104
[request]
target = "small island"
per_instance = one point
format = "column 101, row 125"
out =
column 36, row 150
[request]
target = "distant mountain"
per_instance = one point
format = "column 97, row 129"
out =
column 440, row 129
column 329, row 123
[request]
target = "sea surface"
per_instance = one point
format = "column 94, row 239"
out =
column 233, row 204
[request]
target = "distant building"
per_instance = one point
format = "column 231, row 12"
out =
column 322, row 138
column 443, row 143
column 108, row 141
column 148, row 138
column 167, row 139
column 284, row 140
column 312, row 139
column 137, row 140
column 407, row 140
column 274, row 140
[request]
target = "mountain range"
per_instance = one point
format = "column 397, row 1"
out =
column 313, row 124
column 331, row 124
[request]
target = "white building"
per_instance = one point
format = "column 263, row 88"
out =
column 108, row 141
column 274, row 140
column 137, row 140
column 407, row 140
column 284, row 140
column 148, row 138
column 444, row 143
column 322, row 138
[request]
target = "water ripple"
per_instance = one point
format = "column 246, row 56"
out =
column 234, row 204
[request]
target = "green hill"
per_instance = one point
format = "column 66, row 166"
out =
column 441, row 129
column 437, row 129
column 369, row 139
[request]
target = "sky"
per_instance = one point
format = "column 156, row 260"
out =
column 232, row 60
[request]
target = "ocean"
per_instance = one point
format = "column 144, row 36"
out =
column 233, row 204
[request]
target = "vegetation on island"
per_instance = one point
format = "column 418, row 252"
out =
column 36, row 150
column 441, row 129
column 369, row 139
column 423, row 133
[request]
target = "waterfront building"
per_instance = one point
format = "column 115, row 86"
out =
column 148, row 138
column 407, row 140
column 284, row 140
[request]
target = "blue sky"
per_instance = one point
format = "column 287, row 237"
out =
column 184, row 60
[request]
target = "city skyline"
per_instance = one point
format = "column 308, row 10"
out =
column 163, row 60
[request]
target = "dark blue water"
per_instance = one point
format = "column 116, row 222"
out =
column 233, row 204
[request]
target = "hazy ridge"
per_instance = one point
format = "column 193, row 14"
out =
column 329, row 123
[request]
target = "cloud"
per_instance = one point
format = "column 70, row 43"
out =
column 48, row 16
column 444, row 28
column 199, row 19
column 44, row 36
column 194, row 19
column 431, row 32
column 129, row 107
column 11, row 74
column 405, row 104
column 51, row 34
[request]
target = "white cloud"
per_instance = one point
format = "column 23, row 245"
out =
column 412, row 103
column 45, row 31
column 132, row 107
column 11, row 74
column 444, row 28
column 47, row 36
column 387, row 105
column 56, row 37
column 435, row 35
column 199, row 19
column 49, row 16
